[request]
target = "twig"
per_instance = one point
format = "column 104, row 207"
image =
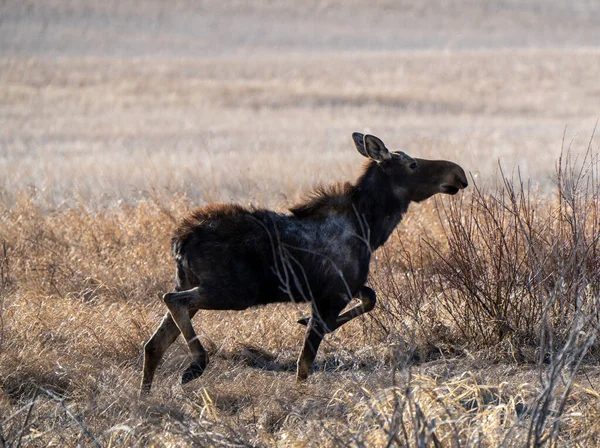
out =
column 70, row 414
column 3, row 263
column 35, row 394
column 4, row 278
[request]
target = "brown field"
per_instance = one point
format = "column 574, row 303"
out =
column 117, row 118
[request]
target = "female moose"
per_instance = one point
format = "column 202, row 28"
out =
column 230, row 257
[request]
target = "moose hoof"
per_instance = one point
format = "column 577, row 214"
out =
column 304, row 320
column 302, row 373
column 144, row 390
column 301, row 377
column 192, row 372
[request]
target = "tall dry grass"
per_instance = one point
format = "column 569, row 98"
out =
column 487, row 312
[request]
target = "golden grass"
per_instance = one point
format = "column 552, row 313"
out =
column 80, row 295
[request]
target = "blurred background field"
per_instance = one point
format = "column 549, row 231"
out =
column 117, row 118
column 109, row 100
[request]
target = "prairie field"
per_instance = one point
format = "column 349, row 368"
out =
column 119, row 118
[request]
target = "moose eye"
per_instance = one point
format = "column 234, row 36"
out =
column 413, row 166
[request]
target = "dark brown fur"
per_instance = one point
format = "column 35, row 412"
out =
column 326, row 200
column 230, row 258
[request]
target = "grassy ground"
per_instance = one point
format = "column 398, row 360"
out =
column 116, row 121
column 80, row 293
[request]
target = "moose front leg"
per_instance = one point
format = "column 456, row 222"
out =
column 314, row 335
column 319, row 325
column 367, row 298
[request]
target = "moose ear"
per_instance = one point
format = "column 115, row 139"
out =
column 375, row 148
column 359, row 141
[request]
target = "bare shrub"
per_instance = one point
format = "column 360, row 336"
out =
column 515, row 273
column 509, row 265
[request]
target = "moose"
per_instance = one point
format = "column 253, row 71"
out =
column 231, row 257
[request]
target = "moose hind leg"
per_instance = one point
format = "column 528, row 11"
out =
column 155, row 348
column 181, row 304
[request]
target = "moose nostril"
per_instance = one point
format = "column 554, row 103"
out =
column 464, row 183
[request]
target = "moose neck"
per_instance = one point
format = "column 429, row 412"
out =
column 376, row 203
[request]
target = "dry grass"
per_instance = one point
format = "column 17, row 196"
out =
column 479, row 337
